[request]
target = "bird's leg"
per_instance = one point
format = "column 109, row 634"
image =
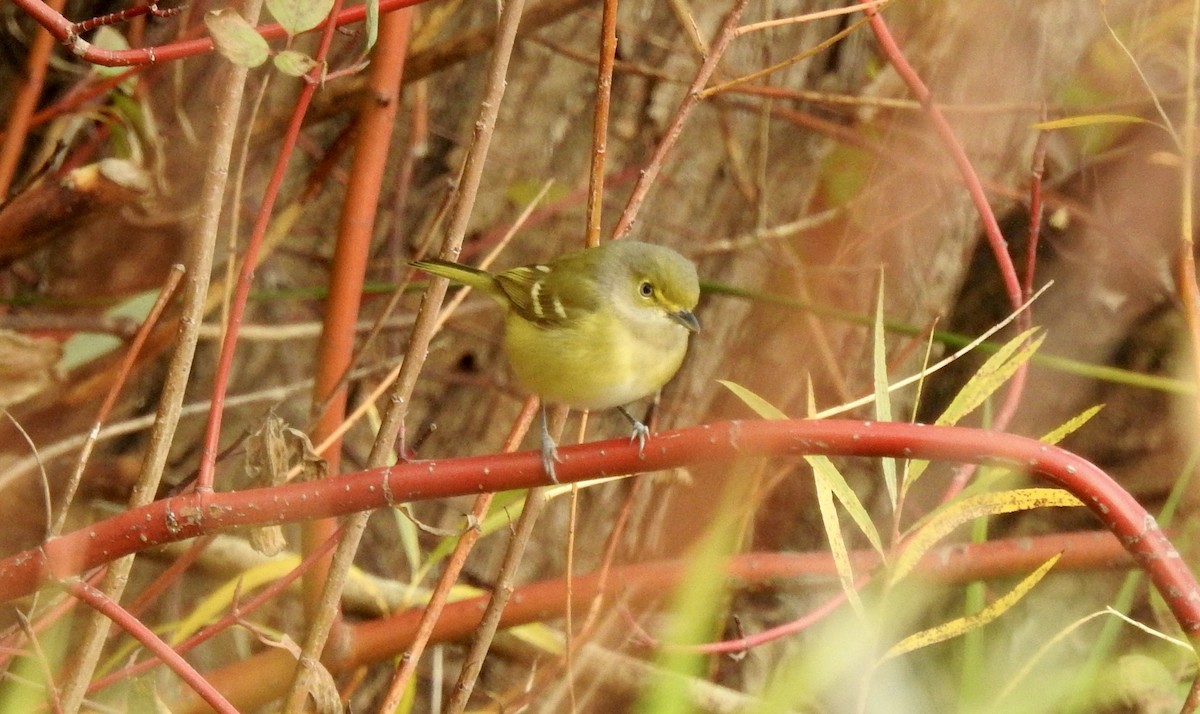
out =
column 640, row 432
column 549, row 451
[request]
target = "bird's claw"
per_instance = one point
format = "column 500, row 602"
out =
column 640, row 433
column 549, row 453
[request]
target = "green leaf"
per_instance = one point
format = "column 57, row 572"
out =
column 951, row 516
column 883, row 403
column 235, row 38
column 298, row 16
column 525, row 192
column 827, row 473
column 293, row 63
column 83, row 347
column 757, row 404
column 107, row 38
column 845, row 172
column 961, row 625
column 371, row 24
column 695, row 616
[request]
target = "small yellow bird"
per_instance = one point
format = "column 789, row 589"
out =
column 594, row 329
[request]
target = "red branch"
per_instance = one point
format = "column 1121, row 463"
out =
column 68, row 32
column 191, row 515
column 544, row 600
column 152, row 642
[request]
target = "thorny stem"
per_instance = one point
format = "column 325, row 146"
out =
column 68, row 33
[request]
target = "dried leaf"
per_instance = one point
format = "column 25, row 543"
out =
column 1089, row 120
column 275, row 448
column 26, row 366
column 271, row 453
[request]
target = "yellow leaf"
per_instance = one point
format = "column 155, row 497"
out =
column 961, row 625
column 1071, row 425
column 994, row 373
column 956, row 513
column 757, row 404
column 837, row 546
column 1089, row 120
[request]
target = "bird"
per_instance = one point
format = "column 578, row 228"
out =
column 596, row 328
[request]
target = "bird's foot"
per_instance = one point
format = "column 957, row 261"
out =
column 549, row 452
column 641, row 432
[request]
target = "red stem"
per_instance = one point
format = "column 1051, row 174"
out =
column 236, row 614
column 24, row 103
column 101, row 603
column 237, row 307
column 67, row 32
column 896, row 58
column 546, row 599
column 191, row 515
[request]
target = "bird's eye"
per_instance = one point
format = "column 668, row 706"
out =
column 646, row 289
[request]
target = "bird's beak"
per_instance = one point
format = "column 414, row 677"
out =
column 687, row 319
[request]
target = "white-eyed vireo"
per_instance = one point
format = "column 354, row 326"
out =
column 595, row 329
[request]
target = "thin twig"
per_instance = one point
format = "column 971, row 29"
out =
column 24, row 103
column 1036, row 172
column 131, row 355
column 43, row 662
column 604, row 78
column 222, row 624
column 472, row 175
column 807, row 17
column 323, row 583
column 724, row 36
column 970, row 178
column 1188, row 289
column 212, row 434
column 502, row 590
column 200, row 264
column 820, row 47
column 451, row 570
column 111, row 611
column 68, row 33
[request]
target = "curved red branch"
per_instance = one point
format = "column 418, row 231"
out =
column 195, row 514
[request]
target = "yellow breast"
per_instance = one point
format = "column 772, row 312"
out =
column 596, row 362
